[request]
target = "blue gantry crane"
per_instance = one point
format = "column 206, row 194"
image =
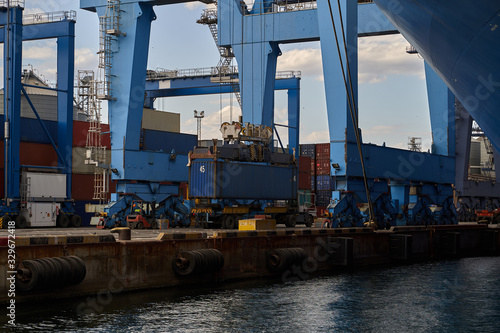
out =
column 255, row 33
column 396, row 184
column 149, row 176
column 36, row 195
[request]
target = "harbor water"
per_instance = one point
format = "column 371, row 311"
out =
column 449, row 296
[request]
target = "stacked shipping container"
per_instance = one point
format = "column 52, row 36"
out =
column 304, row 173
column 320, row 173
column 310, row 151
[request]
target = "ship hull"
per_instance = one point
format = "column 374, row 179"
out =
column 460, row 41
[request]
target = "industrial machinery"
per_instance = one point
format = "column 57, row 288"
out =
column 361, row 173
column 37, row 195
column 142, row 216
column 394, row 184
column 148, row 174
column 244, row 177
column 488, row 216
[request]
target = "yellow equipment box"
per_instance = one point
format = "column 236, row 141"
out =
column 254, row 224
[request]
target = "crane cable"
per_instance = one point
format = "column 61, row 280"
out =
column 351, row 100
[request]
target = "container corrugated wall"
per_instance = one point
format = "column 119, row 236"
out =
column 202, row 179
column 80, row 130
column 166, row 141
column 209, row 179
column 323, row 198
column 79, row 157
column 161, row 120
column 308, row 150
column 323, row 151
column 304, row 173
column 323, row 182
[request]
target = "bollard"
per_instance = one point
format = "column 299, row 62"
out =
column 123, row 233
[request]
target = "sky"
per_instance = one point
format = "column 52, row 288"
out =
column 392, row 91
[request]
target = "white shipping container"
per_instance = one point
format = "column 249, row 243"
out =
column 42, row 214
column 45, row 185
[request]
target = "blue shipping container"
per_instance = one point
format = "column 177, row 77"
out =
column 32, row 130
column 233, row 180
column 308, row 150
column 323, row 182
column 166, row 141
column 323, row 198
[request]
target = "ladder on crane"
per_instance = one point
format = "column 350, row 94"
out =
column 209, row 18
column 109, row 30
column 95, row 150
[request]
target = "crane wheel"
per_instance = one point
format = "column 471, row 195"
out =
column 309, row 220
column 231, row 222
column 291, row 221
column 76, row 221
column 21, row 222
column 62, row 221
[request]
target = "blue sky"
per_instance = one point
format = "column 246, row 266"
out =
column 392, row 94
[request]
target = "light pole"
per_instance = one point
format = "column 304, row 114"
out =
column 199, row 115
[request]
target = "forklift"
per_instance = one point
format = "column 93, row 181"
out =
column 142, row 215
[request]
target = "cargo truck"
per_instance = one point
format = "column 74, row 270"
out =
column 243, row 178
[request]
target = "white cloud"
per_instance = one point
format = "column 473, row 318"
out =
column 193, row 5
column 381, row 130
column 308, row 61
column 40, row 51
column 43, row 6
column 210, row 125
column 378, row 58
column 315, row 137
column 85, row 59
column 386, row 55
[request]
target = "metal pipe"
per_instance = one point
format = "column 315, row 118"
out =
column 41, row 87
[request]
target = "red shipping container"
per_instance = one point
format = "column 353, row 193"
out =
column 322, row 167
column 38, row 154
column 112, row 188
column 305, row 164
column 304, row 181
column 80, row 130
column 82, row 187
column 323, row 151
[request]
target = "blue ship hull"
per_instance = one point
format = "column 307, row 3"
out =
column 460, row 40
